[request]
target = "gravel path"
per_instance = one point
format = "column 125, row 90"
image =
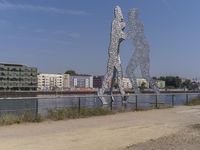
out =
column 113, row 132
column 187, row 139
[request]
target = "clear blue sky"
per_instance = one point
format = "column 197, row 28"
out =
column 57, row 35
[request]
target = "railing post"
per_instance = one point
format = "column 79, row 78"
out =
column 122, row 103
column 79, row 106
column 136, row 102
column 156, row 101
column 187, row 99
column 36, row 112
column 173, row 100
column 111, row 102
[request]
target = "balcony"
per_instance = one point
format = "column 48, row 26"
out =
column 14, row 69
column 3, row 74
column 2, row 69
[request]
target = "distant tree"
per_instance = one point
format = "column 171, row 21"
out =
column 154, row 78
column 162, row 78
column 178, row 82
column 143, row 86
column 194, row 86
column 171, row 81
column 186, row 84
column 71, row 72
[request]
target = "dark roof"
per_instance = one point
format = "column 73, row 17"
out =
column 83, row 75
column 17, row 65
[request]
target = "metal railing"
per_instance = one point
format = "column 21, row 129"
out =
column 42, row 104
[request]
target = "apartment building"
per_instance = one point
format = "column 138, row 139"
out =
column 97, row 81
column 127, row 83
column 51, row 82
column 160, row 84
column 16, row 77
column 81, row 81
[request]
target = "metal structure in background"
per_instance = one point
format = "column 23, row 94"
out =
column 114, row 69
column 140, row 57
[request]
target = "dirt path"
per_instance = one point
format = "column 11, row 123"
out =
column 186, row 139
column 99, row 133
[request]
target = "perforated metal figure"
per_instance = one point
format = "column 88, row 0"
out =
column 114, row 68
column 140, row 56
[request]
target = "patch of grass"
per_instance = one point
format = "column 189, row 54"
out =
column 195, row 126
column 164, row 106
column 54, row 114
column 26, row 117
column 9, row 119
column 38, row 118
column 63, row 113
column 87, row 112
column 141, row 109
column 72, row 113
column 193, row 102
column 160, row 105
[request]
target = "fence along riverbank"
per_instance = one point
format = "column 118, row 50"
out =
column 42, row 104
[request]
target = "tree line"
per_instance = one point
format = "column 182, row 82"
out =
column 177, row 82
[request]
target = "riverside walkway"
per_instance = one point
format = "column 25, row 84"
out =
column 113, row 132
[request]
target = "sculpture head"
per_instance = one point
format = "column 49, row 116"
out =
column 133, row 14
column 118, row 13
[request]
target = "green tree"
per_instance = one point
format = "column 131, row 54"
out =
column 171, row 81
column 71, row 72
column 194, row 86
column 143, row 86
column 186, row 84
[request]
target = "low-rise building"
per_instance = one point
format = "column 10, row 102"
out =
column 141, row 81
column 81, row 81
column 127, row 83
column 160, row 84
column 97, row 81
column 51, row 82
column 16, row 77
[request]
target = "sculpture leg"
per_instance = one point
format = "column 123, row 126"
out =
column 130, row 73
column 120, row 78
column 120, row 82
column 107, row 78
column 145, row 74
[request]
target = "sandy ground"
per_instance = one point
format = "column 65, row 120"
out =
column 115, row 132
column 186, row 139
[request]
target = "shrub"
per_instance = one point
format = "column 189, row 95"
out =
column 71, row 113
column 38, row 118
column 195, row 101
column 8, row 119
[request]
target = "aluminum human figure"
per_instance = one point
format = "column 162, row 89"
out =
column 114, row 68
column 140, row 57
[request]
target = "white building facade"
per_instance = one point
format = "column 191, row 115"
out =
column 51, row 82
column 127, row 83
column 160, row 84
